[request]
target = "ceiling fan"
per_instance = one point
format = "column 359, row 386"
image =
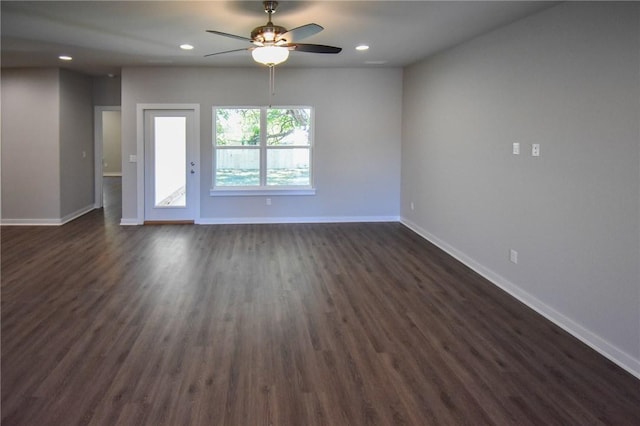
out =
column 272, row 43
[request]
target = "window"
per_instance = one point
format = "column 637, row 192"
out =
column 259, row 150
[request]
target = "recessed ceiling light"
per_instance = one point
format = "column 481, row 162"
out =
column 362, row 47
column 65, row 57
column 186, row 46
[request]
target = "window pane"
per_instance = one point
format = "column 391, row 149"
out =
column 170, row 140
column 237, row 167
column 288, row 126
column 288, row 166
column 237, row 126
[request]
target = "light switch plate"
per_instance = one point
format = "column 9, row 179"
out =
column 133, row 158
column 516, row 148
column 513, row 256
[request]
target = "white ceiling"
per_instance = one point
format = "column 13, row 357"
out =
column 103, row 36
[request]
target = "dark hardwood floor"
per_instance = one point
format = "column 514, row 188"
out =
column 301, row 324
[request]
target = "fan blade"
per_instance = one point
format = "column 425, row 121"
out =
column 301, row 32
column 229, row 35
column 227, row 51
column 313, row 48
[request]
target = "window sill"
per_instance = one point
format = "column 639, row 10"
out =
column 235, row 192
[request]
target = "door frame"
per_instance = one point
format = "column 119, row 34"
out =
column 98, row 144
column 140, row 154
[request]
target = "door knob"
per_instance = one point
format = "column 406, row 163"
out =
column 192, row 171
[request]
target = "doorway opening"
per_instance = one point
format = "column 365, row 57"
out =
column 108, row 160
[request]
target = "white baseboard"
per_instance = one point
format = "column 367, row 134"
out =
column 129, row 222
column 49, row 222
column 76, row 214
column 613, row 353
column 31, row 222
column 267, row 220
column 112, row 174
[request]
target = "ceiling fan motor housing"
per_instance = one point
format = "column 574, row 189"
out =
column 267, row 33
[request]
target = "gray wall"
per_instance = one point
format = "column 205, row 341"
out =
column 76, row 143
column 112, row 143
column 47, row 125
column 106, row 90
column 357, row 135
column 30, row 144
column 567, row 78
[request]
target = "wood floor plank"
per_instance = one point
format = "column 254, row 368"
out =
column 299, row 324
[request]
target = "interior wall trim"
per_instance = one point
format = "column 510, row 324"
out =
column 47, row 221
column 76, row 214
column 320, row 219
column 608, row 350
column 31, row 222
column 125, row 221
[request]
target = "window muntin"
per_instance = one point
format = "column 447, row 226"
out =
column 262, row 148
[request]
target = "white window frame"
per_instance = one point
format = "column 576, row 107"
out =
column 263, row 188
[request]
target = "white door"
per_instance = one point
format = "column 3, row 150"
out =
column 171, row 169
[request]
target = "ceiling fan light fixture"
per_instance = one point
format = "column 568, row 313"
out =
column 270, row 55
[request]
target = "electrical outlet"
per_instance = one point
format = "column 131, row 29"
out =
column 535, row 150
column 513, row 256
column 412, row 206
column 268, row 201
column 516, row 148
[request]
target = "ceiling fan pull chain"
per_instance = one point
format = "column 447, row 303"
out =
column 272, row 83
column 273, row 80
